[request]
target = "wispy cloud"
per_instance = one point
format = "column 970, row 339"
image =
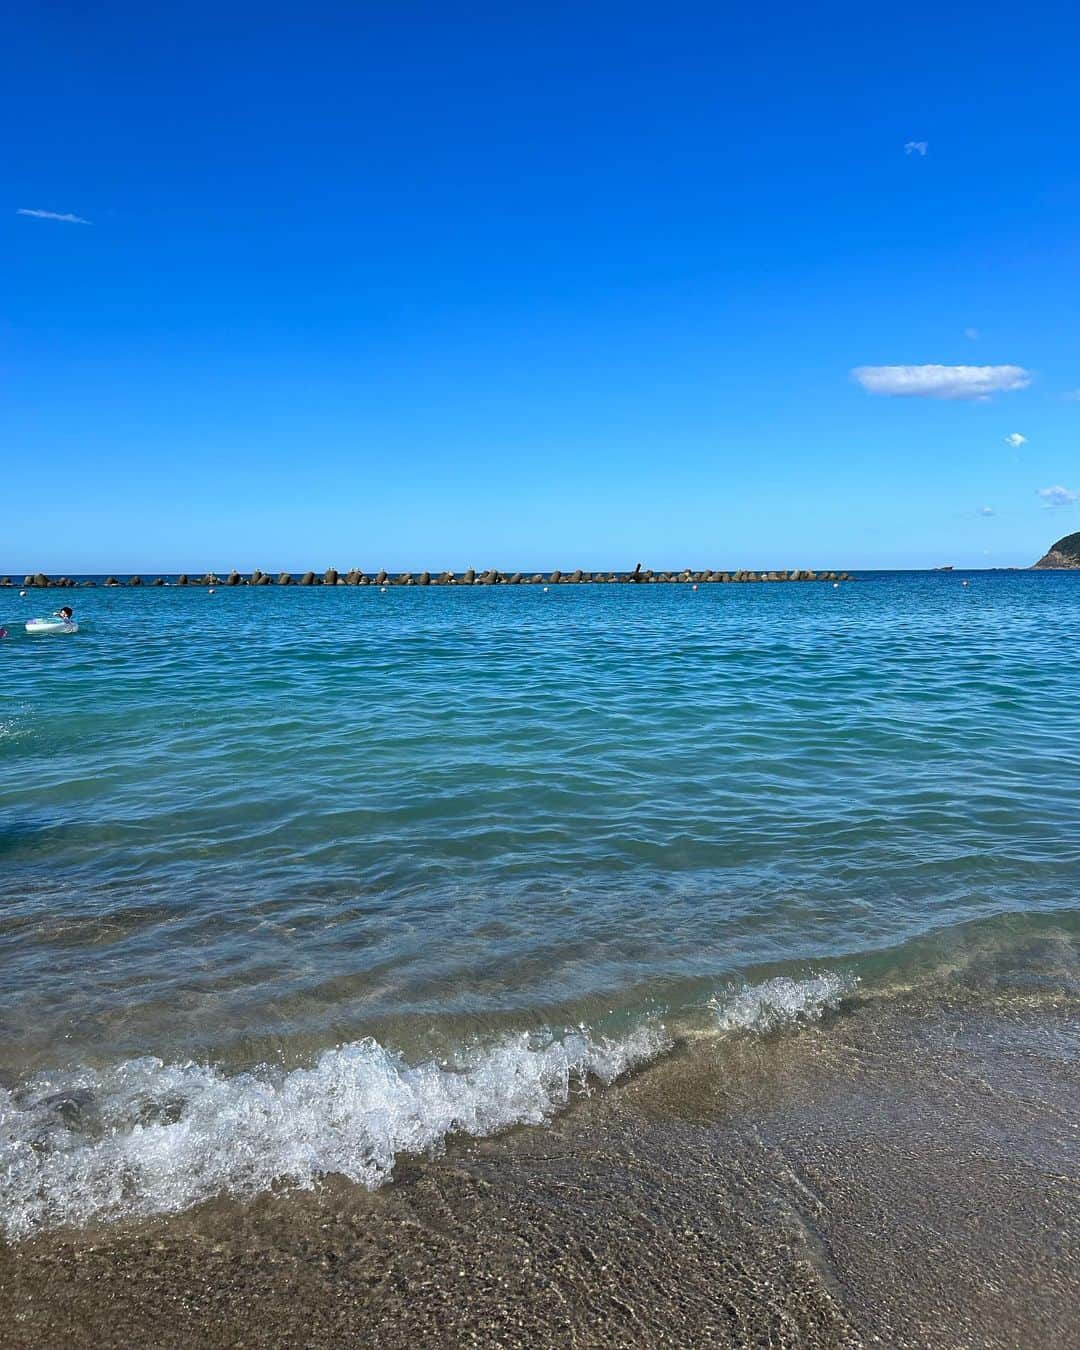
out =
column 1057, row 496
column 972, row 334
column 916, row 148
column 1073, row 396
column 986, row 510
column 1015, row 440
column 53, row 215
column 953, row 382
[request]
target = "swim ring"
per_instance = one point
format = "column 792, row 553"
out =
column 52, row 625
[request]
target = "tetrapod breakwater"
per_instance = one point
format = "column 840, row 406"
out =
column 470, row 577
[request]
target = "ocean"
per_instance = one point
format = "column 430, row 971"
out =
column 300, row 886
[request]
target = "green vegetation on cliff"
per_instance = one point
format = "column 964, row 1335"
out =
column 1065, row 553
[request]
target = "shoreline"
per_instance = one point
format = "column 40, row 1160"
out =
column 282, row 911
column 901, row 1172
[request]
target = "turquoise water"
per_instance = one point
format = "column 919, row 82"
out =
column 271, row 851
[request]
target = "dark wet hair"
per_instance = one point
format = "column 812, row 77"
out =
column 66, row 611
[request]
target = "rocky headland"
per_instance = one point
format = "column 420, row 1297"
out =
column 1065, row 553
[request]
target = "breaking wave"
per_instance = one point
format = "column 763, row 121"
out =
column 781, row 1002
column 145, row 1137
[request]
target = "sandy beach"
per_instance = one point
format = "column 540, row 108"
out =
column 903, row 1173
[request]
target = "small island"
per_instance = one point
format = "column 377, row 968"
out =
column 1065, row 553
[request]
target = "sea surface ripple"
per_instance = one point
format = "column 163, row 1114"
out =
column 284, row 817
column 295, row 880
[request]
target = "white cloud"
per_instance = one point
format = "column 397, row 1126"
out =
column 53, row 215
column 1015, row 440
column 1073, row 396
column 1057, row 496
column 916, row 148
column 986, row 510
column 941, row 381
column 972, row 334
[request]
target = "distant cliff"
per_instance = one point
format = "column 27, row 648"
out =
column 1065, row 553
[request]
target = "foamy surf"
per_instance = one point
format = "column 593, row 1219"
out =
column 145, row 1137
column 781, row 1002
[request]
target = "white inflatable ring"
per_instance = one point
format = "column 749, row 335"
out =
column 52, row 626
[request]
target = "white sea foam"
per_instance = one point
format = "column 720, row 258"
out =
column 781, row 1002
column 145, row 1137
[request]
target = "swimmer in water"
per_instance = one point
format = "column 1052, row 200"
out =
column 66, row 613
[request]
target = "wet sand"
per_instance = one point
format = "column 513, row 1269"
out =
column 905, row 1173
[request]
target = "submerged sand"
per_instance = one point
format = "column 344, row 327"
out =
column 904, row 1173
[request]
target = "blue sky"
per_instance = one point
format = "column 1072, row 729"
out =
column 446, row 285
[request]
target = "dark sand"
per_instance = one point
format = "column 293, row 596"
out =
column 903, row 1174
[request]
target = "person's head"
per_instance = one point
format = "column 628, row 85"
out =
column 65, row 611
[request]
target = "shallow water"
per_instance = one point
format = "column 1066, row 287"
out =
column 250, row 828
